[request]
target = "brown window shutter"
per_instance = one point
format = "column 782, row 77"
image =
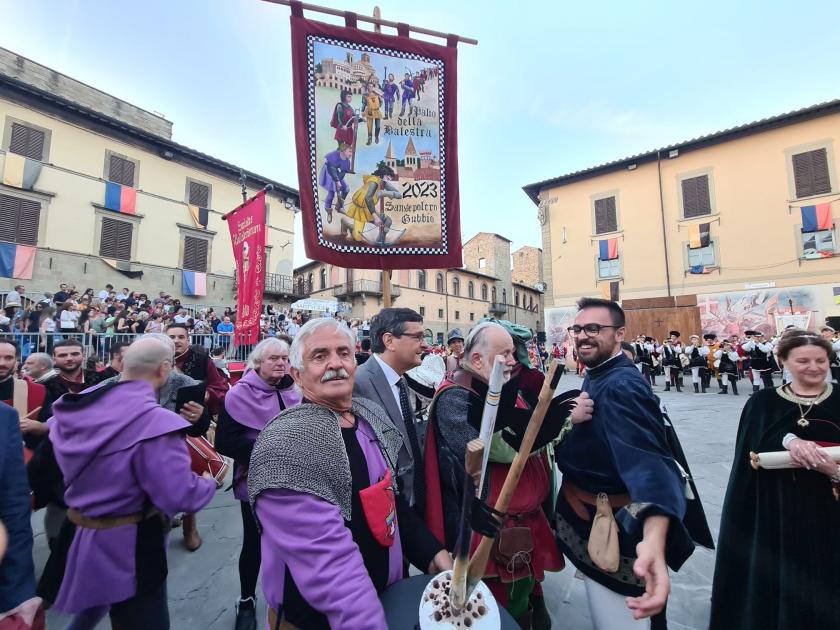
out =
column 195, row 254
column 605, row 216
column 27, row 141
column 19, row 220
column 810, row 173
column 121, row 171
column 696, row 199
column 199, row 195
column 115, row 241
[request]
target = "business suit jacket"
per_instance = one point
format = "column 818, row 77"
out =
column 372, row 384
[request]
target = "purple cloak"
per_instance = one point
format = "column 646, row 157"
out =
column 119, row 451
column 253, row 403
column 308, row 535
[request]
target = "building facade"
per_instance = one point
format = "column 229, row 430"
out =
column 95, row 184
column 446, row 298
column 740, row 225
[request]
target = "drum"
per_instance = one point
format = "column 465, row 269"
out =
column 205, row 458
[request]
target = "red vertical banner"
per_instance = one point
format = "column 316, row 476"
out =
column 247, row 234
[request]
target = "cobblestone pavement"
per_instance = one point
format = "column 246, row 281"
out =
column 203, row 586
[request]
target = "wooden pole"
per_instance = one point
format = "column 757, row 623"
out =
column 376, row 21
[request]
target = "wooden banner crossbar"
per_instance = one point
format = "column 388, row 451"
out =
column 378, row 21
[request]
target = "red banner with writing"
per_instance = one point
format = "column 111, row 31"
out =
column 377, row 153
column 247, row 234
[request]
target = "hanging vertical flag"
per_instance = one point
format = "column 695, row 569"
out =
column 200, row 216
column 120, row 198
column 815, row 218
column 699, row 269
column 247, row 234
column 836, row 292
column 123, row 266
column 16, row 261
column 609, row 290
column 193, row 283
column 698, row 235
column 376, row 135
column 20, row 172
column 608, row 249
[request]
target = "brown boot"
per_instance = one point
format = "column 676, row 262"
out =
column 192, row 540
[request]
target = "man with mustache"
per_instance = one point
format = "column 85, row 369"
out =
column 398, row 342
column 322, row 484
column 454, row 420
column 621, row 459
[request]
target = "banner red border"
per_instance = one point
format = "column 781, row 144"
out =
column 301, row 29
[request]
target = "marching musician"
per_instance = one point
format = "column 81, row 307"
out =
column 726, row 363
column 759, row 352
column 672, row 364
column 697, row 358
column 711, row 346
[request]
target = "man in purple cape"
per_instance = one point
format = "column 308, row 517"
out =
column 264, row 391
column 323, row 486
column 336, row 166
column 125, row 466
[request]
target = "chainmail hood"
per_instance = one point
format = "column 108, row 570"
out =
column 302, row 450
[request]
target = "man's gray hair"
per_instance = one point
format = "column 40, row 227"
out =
column 264, row 347
column 43, row 359
column 322, row 325
column 148, row 353
column 477, row 341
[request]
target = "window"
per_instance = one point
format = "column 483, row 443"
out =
column 606, row 219
column 439, row 287
column 530, row 302
column 195, row 253
column 472, row 317
column 820, row 244
column 115, row 239
column 421, row 280
column 440, row 313
column 482, row 263
column 696, row 199
column 484, row 291
column 470, row 290
column 609, row 268
column 323, row 278
column 198, row 194
column 309, row 281
column 810, row 173
column 440, row 338
column 504, row 296
column 516, row 298
column 121, row 170
column 19, row 220
column 456, row 286
column 457, row 314
column 493, row 294
column 27, row 141
column 701, row 256
column 422, row 311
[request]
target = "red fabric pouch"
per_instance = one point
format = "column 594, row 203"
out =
column 380, row 510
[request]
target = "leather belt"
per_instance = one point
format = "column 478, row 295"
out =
column 107, row 522
column 578, row 499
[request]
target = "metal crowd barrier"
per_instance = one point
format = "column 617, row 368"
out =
column 99, row 345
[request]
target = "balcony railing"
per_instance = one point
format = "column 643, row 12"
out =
column 362, row 287
column 279, row 284
column 497, row 308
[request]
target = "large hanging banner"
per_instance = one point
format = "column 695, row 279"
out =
column 247, row 234
column 375, row 119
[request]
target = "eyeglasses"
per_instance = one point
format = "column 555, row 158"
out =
column 591, row 330
column 419, row 336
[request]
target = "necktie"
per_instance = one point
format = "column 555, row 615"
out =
column 414, row 443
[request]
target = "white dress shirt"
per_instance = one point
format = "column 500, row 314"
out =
column 393, row 380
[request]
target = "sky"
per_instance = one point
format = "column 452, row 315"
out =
column 552, row 87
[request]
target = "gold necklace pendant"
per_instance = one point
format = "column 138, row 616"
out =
column 802, row 422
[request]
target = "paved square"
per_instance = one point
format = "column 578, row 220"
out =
column 204, row 585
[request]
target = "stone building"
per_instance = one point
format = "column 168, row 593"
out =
column 447, row 298
column 79, row 145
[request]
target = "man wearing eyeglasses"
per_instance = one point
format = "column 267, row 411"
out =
column 623, row 455
column 398, row 341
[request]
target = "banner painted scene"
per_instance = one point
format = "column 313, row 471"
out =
column 247, row 235
column 766, row 310
column 376, row 148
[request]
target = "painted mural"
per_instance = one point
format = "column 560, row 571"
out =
column 767, row 310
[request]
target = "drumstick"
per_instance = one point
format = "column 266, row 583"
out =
column 478, row 563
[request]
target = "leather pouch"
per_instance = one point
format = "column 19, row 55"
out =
column 603, row 537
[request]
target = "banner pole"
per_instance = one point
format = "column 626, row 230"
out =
column 377, row 21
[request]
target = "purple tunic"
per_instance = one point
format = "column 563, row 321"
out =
column 308, row 535
column 117, row 454
column 253, row 403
